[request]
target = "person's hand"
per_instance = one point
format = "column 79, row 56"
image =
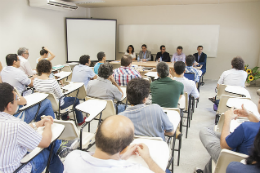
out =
column 143, row 60
column 143, row 151
column 129, row 151
column 195, row 63
column 47, row 120
column 229, row 114
column 242, row 112
column 46, row 48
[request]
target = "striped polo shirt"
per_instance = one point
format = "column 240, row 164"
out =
column 16, row 138
column 148, row 120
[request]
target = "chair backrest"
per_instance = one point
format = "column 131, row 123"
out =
column 190, row 76
column 108, row 111
column 184, row 101
column 225, row 157
column 66, row 68
column 70, row 132
column 147, row 78
column 221, row 90
column 222, row 106
column 82, row 93
column 54, row 102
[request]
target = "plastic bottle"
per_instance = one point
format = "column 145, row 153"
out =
column 138, row 58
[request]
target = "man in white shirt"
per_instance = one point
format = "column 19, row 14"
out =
column 189, row 85
column 113, row 138
column 235, row 76
column 179, row 56
column 82, row 72
column 14, row 76
column 17, row 138
column 25, row 66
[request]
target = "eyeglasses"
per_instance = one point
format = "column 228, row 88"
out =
column 26, row 53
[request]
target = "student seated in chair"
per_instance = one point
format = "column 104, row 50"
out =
column 105, row 86
column 15, row 76
column 101, row 56
column 166, row 92
column 189, row 85
column 113, row 139
column 23, row 54
column 190, row 59
column 200, row 59
column 241, row 140
column 126, row 72
column 17, row 138
column 252, row 164
column 149, row 120
column 82, row 72
column 47, row 85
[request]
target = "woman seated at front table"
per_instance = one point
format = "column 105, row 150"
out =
column 131, row 51
column 47, row 85
column 45, row 55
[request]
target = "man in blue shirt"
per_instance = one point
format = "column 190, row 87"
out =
column 101, row 60
column 241, row 140
column 82, row 72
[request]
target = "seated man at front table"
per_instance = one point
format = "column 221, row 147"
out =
column 14, row 76
column 189, row 85
column 105, row 87
column 25, row 66
column 166, row 92
column 163, row 55
column 82, row 72
column 149, row 120
column 126, row 72
column 113, row 139
column 179, row 56
column 201, row 59
column 241, row 140
column 101, row 56
column 144, row 54
column 17, row 138
column 190, row 69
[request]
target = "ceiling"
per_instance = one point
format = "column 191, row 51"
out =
column 117, row 3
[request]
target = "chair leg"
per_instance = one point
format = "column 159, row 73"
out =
column 49, row 159
column 187, row 124
column 179, row 150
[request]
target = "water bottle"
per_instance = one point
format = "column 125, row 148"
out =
column 160, row 59
column 138, row 58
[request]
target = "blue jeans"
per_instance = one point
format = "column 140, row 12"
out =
column 120, row 107
column 40, row 161
column 45, row 109
column 69, row 101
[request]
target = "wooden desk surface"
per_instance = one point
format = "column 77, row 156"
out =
column 144, row 64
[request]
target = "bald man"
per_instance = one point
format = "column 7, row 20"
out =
column 126, row 72
column 113, row 138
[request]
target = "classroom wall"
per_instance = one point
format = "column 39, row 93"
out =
column 25, row 26
column 239, row 27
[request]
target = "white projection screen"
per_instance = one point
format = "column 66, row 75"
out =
column 90, row 36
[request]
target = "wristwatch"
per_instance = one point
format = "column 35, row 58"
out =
column 34, row 126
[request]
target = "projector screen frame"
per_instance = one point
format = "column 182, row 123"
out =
column 66, row 18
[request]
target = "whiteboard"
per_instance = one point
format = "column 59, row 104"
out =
column 172, row 36
column 90, row 36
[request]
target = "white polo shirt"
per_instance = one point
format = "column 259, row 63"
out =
column 25, row 66
column 189, row 86
column 15, row 77
column 80, row 162
column 233, row 77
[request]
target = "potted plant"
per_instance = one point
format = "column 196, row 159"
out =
column 253, row 74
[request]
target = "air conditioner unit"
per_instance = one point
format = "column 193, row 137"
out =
column 57, row 5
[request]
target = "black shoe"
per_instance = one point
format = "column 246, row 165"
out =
column 197, row 170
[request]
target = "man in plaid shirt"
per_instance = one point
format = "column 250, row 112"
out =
column 125, row 73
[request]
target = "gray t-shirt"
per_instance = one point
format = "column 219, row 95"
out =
column 103, row 89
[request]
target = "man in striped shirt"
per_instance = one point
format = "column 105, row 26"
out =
column 125, row 73
column 148, row 120
column 190, row 59
column 17, row 138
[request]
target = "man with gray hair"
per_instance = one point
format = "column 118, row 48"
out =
column 166, row 91
column 25, row 66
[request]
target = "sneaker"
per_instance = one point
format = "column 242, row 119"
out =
column 212, row 99
column 198, row 170
column 82, row 121
column 67, row 146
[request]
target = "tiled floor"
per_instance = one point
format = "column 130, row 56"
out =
column 193, row 154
